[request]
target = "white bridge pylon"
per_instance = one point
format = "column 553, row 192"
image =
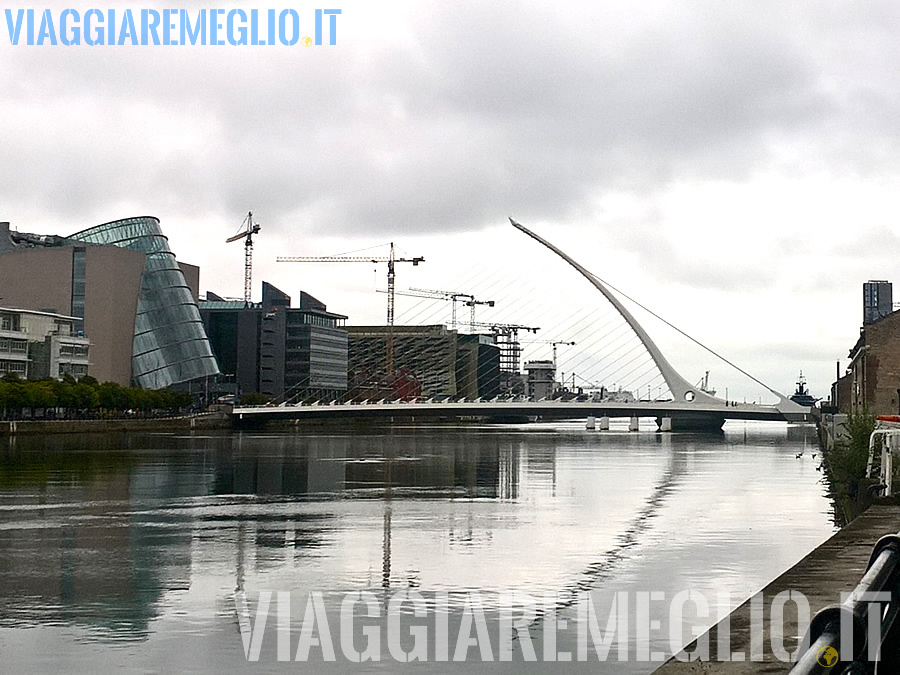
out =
column 681, row 389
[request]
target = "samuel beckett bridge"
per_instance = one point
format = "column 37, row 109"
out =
column 682, row 406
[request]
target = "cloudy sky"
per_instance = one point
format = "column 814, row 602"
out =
column 732, row 165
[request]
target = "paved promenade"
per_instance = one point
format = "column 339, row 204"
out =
column 834, row 567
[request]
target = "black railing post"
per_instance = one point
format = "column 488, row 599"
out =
column 855, row 614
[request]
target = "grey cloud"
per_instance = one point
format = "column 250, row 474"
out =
column 494, row 108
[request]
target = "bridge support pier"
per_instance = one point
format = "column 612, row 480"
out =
column 691, row 421
column 633, row 424
column 591, row 422
column 604, row 423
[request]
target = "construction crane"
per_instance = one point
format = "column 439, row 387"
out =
column 507, row 338
column 248, row 229
column 554, row 343
column 391, row 260
column 452, row 296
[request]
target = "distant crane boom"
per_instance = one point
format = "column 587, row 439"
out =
column 554, row 344
column 507, row 337
column 248, row 229
column 453, row 297
column 391, row 260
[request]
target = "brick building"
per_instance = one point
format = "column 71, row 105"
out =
column 873, row 376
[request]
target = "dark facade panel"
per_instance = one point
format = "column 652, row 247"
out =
column 878, row 301
column 286, row 353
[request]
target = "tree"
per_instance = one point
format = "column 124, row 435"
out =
column 254, row 398
column 86, row 396
column 112, row 396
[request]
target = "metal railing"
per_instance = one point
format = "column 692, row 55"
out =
column 862, row 616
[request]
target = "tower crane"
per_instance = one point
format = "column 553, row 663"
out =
column 554, row 343
column 391, row 261
column 453, row 296
column 248, row 229
column 507, row 337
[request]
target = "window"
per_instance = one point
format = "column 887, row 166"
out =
column 63, row 327
column 13, row 346
column 17, row 367
column 9, row 322
column 76, row 370
column 78, row 270
column 73, row 350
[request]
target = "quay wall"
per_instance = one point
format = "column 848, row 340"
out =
column 204, row 421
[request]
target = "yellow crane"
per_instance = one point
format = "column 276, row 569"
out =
column 248, row 229
column 391, row 261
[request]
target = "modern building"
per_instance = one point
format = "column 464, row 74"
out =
column 540, row 380
column 284, row 352
column 41, row 344
column 477, row 366
column 429, row 362
column 878, row 301
column 126, row 291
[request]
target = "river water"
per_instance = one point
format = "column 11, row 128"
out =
column 149, row 552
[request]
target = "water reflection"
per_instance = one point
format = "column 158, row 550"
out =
column 144, row 538
column 84, row 536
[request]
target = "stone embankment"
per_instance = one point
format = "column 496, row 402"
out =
column 211, row 420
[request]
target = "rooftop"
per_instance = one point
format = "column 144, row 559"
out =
column 17, row 310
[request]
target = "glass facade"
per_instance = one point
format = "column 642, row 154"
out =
column 78, row 267
column 170, row 343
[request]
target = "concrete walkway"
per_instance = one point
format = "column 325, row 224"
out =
column 834, row 567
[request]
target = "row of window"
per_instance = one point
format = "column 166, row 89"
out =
column 73, row 350
column 10, row 346
column 76, row 370
column 20, row 368
column 17, row 367
column 311, row 320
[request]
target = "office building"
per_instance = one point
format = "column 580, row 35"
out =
column 540, row 379
column 429, row 362
column 878, row 301
column 40, row 344
column 287, row 353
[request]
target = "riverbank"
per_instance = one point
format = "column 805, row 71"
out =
column 844, row 443
column 210, row 420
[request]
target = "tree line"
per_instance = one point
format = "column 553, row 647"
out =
column 86, row 396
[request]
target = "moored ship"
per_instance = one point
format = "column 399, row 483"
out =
column 802, row 395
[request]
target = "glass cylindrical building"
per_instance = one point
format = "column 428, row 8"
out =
column 170, row 343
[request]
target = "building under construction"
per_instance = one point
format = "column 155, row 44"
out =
column 428, row 362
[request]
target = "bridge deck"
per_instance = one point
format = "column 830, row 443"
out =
column 550, row 410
